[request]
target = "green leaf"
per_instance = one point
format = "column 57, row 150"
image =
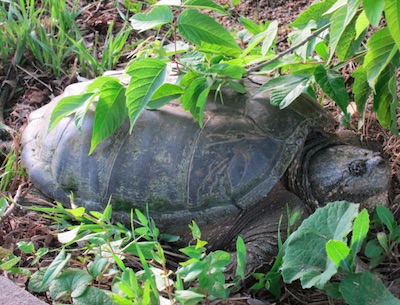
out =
column 322, row 50
column 199, row 28
column 163, row 95
column 205, row 4
column 236, row 86
column 241, row 257
column 96, row 267
column 385, row 98
column 360, row 230
column 348, row 44
column 67, row 106
column 223, row 69
column 26, row 247
column 188, row 295
column 201, row 104
column 147, row 75
column 3, row 205
column 314, row 12
column 7, row 264
column 36, row 282
column 362, row 24
column 270, row 35
column 354, row 287
column 361, row 89
column 285, row 89
column 338, row 251
column 55, row 267
column 333, row 85
column 220, row 259
column 72, row 282
column 382, row 48
column 110, row 113
column 191, row 95
column 157, row 17
column 392, row 16
column 386, row 217
column 373, row 9
column 251, row 26
column 305, row 256
column 93, row 296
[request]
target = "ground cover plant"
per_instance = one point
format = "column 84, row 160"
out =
column 323, row 40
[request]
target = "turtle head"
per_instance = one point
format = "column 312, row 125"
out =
column 347, row 172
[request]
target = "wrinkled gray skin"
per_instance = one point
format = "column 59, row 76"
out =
column 225, row 175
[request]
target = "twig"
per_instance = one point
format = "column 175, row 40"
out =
column 280, row 55
column 15, row 201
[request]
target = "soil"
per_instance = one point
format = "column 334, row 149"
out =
column 29, row 87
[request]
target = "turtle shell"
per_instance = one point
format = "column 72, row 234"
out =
column 181, row 170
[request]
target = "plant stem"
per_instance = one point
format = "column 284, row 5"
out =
column 280, row 55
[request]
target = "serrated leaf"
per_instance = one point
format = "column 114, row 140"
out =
column 285, row 89
column 382, row 48
column 110, row 112
column 333, row 85
column 157, row 17
column 67, row 106
column 373, row 9
column 205, row 4
column 147, row 75
column 314, row 12
column 305, row 256
column 199, row 28
column 360, row 230
column 392, row 16
column 354, row 286
column 362, row 24
column 348, row 43
column 163, row 95
column 72, row 282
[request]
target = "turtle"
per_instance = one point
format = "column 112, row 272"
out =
column 235, row 175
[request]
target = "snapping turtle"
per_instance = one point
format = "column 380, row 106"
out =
column 233, row 176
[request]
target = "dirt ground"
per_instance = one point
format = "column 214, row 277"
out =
column 31, row 88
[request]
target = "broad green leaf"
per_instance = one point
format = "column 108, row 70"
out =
column 373, row 9
column 3, row 205
column 297, row 37
column 236, row 86
column 360, row 230
column 146, row 247
column 338, row 251
column 188, row 295
column 68, row 236
column 385, row 98
column 197, row 28
column 285, row 89
column 97, row 266
column 361, row 90
column 147, row 75
column 36, row 280
column 72, row 282
column 348, row 44
column 55, row 267
column 337, row 28
column 254, row 42
column 110, row 113
column 270, row 35
column 93, row 296
column 163, row 95
column 7, row 264
column 158, row 16
column 191, row 95
column 314, row 12
column 362, row 24
column 382, row 48
column 333, row 85
column 392, row 16
column 240, row 257
column 354, row 287
column 67, row 106
column 201, row 104
column 305, row 256
column 98, row 82
column 205, row 4
column 235, row 72
column 322, row 50
column 220, row 259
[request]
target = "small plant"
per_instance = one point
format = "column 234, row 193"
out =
column 320, row 255
column 103, row 273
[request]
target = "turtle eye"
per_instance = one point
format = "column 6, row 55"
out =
column 357, row 168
